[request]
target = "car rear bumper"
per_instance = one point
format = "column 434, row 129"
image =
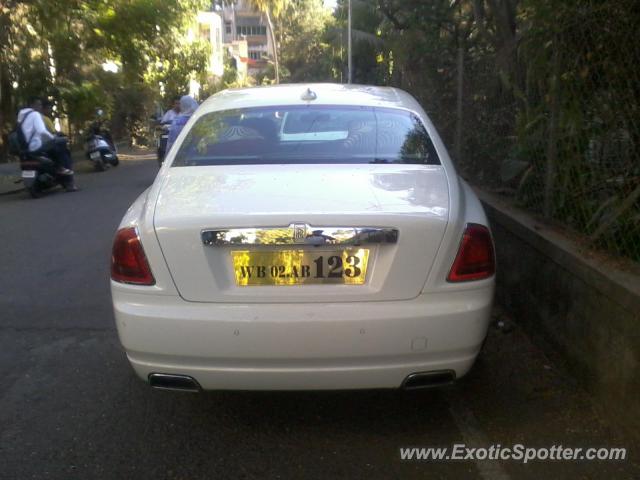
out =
column 302, row 346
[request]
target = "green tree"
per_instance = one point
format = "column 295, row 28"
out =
column 305, row 48
column 57, row 49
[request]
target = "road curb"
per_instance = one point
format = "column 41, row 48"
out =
column 11, row 192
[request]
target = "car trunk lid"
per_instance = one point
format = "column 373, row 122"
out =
column 411, row 200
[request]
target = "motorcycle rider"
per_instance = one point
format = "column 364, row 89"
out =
column 162, row 128
column 188, row 105
column 97, row 127
column 60, row 139
column 41, row 141
column 47, row 114
column 172, row 113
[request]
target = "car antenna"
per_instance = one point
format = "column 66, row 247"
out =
column 309, row 95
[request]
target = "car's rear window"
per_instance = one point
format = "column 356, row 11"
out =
column 307, row 134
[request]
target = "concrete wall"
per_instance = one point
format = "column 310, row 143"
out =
column 587, row 312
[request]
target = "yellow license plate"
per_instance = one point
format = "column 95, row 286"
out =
column 298, row 267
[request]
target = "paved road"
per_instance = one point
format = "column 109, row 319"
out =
column 70, row 406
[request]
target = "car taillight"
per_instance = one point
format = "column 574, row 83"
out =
column 128, row 262
column 475, row 259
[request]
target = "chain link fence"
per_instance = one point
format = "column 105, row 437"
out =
column 559, row 131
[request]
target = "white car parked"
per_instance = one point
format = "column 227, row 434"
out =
column 304, row 237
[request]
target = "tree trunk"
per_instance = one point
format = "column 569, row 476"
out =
column 458, row 138
column 5, row 83
column 552, row 146
column 480, row 18
column 505, row 40
column 276, row 65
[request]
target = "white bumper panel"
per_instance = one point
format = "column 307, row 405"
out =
column 302, row 346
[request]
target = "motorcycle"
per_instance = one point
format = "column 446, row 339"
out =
column 100, row 148
column 40, row 173
column 162, row 136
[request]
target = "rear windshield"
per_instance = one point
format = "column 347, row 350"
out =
column 307, row 134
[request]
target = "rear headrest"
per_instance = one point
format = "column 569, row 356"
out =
column 265, row 127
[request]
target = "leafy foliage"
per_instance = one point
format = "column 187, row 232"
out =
column 305, row 49
column 550, row 98
column 57, row 49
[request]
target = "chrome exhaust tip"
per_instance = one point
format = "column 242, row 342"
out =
column 181, row 383
column 433, row 379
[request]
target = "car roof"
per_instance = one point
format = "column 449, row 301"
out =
column 325, row 94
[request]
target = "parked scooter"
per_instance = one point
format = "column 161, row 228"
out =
column 100, row 148
column 39, row 173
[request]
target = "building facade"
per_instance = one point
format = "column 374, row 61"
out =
column 243, row 24
column 209, row 30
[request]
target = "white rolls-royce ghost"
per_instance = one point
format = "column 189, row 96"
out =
column 304, row 237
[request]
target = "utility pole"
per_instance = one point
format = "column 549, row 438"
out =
column 350, row 61
column 458, row 138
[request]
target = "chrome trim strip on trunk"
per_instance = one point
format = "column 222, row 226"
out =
column 300, row 234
